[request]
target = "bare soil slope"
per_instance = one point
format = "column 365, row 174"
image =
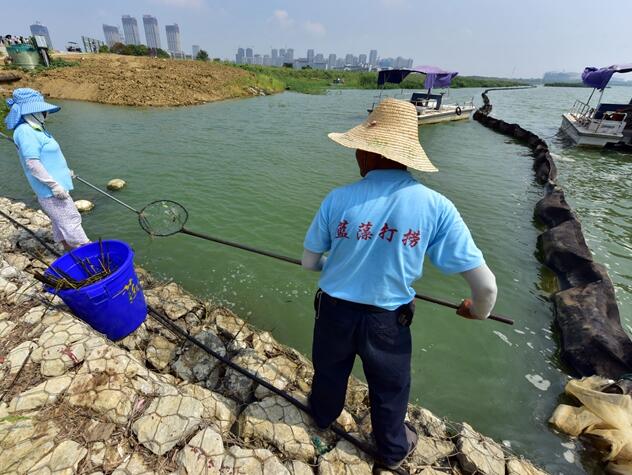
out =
column 141, row 81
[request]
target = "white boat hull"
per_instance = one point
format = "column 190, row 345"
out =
column 580, row 135
column 447, row 114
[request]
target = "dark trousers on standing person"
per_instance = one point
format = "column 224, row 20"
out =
column 345, row 329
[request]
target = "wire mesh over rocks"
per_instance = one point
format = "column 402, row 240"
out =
column 167, row 421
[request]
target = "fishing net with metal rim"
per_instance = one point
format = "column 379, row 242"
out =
column 163, row 218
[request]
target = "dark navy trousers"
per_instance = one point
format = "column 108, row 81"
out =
column 345, row 329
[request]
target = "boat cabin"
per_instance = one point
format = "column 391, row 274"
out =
column 431, row 108
column 604, row 124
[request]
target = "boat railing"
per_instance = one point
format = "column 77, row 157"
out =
column 584, row 114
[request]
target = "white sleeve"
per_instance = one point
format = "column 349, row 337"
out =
column 39, row 172
column 483, row 286
column 313, row 260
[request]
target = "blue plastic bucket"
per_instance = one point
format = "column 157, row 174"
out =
column 114, row 305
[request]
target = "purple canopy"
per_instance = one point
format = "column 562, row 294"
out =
column 435, row 77
column 599, row 78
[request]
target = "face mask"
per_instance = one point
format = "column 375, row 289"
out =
column 36, row 120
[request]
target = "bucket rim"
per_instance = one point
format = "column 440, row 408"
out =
column 116, row 273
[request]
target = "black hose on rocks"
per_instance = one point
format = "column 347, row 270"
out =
column 181, row 332
column 593, row 340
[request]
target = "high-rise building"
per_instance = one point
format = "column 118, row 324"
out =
column 289, row 55
column 349, row 58
column 240, row 56
column 152, row 32
column 257, row 59
column 282, row 54
column 331, row 62
column 362, row 59
column 173, row 38
column 274, row 57
column 373, row 57
column 310, row 55
column 267, row 60
column 248, row 52
column 130, row 30
column 195, row 49
column 37, row 29
column 319, row 58
column 112, row 35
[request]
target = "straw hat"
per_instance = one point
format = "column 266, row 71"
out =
column 392, row 131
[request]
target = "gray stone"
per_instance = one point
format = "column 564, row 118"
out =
column 160, row 352
column 196, row 365
column 83, row 206
column 167, row 421
column 219, row 410
column 45, row 393
column 203, row 454
column 63, row 459
column 517, row 466
column 116, row 184
column 344, row 459
column 296, row 467
column 235, row 384
column 479, row 454
column 135, row 465
column 430, row 450
column 427, row 423
column 114, row 384
column 252, row 462
column 278, row 422
column 18, row 357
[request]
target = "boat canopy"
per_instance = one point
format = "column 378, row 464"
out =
column 435, row 77
column 599, row 78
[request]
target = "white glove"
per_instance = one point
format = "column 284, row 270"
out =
column 60, row 193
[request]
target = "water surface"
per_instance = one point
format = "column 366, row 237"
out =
column 256, row 170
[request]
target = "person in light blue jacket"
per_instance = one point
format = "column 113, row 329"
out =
column 44, row 164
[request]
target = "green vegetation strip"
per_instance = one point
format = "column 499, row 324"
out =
column 317, row 81
column 4, row 110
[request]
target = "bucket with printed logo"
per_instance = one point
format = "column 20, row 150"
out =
column 114, row 305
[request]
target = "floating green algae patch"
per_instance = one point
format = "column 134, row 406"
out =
column 316, row 81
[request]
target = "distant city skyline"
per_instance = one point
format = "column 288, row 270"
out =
column 490, row 37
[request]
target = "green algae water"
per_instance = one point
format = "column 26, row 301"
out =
column 256, row 170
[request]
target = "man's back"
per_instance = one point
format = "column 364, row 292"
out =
column 377, row 231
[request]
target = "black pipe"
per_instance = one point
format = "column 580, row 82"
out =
column 179, row 331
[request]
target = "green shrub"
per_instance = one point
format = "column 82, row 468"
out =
column 202, row 55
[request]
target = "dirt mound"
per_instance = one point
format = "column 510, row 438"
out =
column 142, row 81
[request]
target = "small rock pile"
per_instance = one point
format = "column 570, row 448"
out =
column 72, row 401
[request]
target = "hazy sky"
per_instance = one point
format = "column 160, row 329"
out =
column 488, row 37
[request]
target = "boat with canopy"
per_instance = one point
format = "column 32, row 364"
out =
column 604, row 124
column 431, row 108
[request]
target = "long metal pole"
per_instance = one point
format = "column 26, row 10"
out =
column 274, row 255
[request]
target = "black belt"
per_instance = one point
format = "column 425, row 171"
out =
column 404, row 312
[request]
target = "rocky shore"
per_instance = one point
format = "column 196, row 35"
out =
column 72, row 401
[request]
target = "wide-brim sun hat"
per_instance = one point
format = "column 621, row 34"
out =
column 390, row 130
column 26, row 101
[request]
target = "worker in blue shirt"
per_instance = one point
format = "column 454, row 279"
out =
column 44, row 165
column 376, row 232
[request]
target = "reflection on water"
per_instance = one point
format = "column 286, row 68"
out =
column 255, row 171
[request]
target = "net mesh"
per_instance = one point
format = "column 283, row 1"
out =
column 163, row 218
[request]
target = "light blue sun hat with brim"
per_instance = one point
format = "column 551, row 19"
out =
column 26, row 101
